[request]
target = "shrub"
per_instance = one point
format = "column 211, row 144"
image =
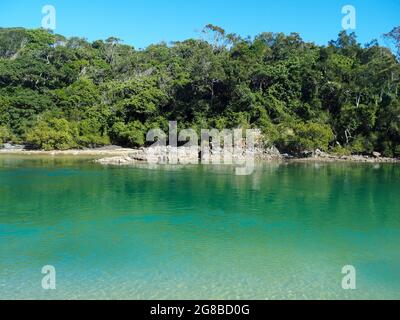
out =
column 306, row 136
column 362, row 145
column 54, row 134
column 5, row 134
column 131, row 134
column 397, row 151
column 340, row 151
column 91, row 134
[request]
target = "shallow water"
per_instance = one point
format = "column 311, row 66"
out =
column 198, row 232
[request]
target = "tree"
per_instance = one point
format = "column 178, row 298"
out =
column 54, row 134
column 58, row 92
column 131, row 134
column 5, row 134
column 394, row 36
column 309, row 136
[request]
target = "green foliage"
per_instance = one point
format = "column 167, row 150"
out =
column 5, row 134
column 75, row 99
column 132, row 134
column 340, row 151
column 300, row 95
column 54, row 134
column 307, row 136
column 397, row 151
column 91, row 134
column 362, row 145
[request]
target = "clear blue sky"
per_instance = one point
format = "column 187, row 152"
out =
column 142, row 22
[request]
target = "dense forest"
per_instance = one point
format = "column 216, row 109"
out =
column 62, row 93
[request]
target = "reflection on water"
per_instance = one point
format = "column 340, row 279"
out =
column 200, row 232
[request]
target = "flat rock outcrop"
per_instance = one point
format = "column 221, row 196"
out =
column 192, row 155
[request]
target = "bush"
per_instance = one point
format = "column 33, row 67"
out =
column 387, row 149
column 91, row 134
column 5, row 134
column 54, row 134
column 340, row 151
column 362, row 145
column 305, row 136
column 130, row 135
column 397, row 151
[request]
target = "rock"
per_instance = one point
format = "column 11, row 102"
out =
column 321, row 154
column 306, row 154
column 273, row 151
column 9, row 146
column 139, row 155
column 121, row 160
column 173, row 155
column 191, row 155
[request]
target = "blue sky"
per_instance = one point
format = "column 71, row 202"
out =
column 142, row 22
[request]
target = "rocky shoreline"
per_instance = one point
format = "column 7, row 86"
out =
column 168, row 155
column 108, row 151
column 115, row 155
column 326, row 157
column 191, row 155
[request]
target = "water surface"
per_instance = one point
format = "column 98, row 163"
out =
column 198, row 232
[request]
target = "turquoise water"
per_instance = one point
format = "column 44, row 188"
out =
column 198, row 232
